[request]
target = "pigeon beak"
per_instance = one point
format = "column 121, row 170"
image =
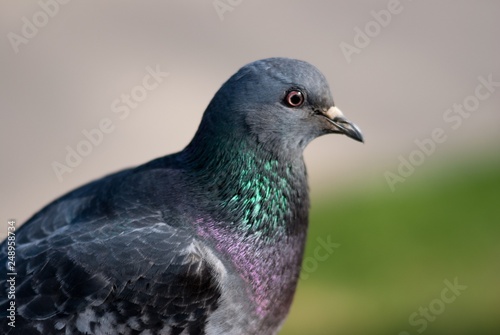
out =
column 342, row 125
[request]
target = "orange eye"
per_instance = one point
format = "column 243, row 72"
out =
column 294, row 98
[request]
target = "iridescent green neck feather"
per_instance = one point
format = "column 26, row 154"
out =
column 259, row 191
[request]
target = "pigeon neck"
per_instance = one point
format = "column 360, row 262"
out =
column 256, row 190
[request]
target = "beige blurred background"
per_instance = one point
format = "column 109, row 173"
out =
column 64, row 79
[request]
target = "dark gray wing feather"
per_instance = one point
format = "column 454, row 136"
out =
column 118, row 271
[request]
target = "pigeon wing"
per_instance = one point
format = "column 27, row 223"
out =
column 133, row 272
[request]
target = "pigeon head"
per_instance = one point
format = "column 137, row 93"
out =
column 279, row 103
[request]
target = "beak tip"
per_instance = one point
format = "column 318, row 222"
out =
column 357, row 136
column 352, row 131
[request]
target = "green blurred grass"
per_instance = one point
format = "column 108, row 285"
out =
column 397, row 248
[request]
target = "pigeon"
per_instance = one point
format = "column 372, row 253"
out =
column 208, row 240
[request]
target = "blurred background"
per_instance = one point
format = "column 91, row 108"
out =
column 405, row 229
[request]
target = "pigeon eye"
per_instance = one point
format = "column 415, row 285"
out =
column 294, row 98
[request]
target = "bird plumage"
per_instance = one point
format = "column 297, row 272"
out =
column 205, row 241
